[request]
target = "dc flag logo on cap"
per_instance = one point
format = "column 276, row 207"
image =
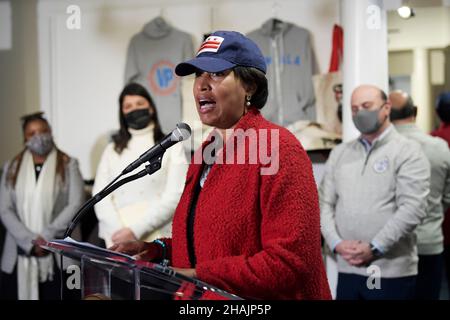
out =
column 211, row 44
column 224, row 50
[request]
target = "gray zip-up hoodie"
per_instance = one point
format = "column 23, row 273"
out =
column 430, row 238
column 378, row 196
column 151, row 59
column 291, row 64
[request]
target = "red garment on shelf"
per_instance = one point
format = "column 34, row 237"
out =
column 337, row 54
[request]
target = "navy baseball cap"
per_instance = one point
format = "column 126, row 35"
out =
column 221, row 51
column 443, row 100
column 443, row 106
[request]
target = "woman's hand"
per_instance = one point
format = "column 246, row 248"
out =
column 141, row 250
column 129, row 247
column 37, row 251
column 187, row 272
column 123, row 235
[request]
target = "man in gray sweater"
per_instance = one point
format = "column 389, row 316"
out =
column 429, row 234
column 372, row 196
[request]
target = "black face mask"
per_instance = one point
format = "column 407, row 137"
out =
column 138, row 119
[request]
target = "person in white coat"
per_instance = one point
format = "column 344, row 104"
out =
column 141, row 209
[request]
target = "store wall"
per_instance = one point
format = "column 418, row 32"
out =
column 19, row 89
column 401, row 63
column 82, row 69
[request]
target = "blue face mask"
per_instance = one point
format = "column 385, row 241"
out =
column 367, row 122
column 40, row 144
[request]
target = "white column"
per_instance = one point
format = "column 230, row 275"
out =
column 365, row 52
column 420, row 89
column 365, row 62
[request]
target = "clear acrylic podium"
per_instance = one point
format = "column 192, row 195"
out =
column 117, row 276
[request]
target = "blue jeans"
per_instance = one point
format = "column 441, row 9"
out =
column 354, row 287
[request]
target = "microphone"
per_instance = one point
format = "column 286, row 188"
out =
column 180, row 133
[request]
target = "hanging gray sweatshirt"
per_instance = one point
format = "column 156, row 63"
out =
column 291, row 64
column 430, row 238
column 151, row 59
column 378, row 196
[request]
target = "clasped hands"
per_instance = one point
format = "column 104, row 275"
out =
column 356, row 252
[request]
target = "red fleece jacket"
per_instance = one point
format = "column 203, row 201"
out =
column 257, row 236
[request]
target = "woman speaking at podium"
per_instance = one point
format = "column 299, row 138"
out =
column 249, row 227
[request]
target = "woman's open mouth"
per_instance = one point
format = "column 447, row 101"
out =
column 206, row 105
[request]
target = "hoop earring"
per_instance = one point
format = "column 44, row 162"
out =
column 248, row 98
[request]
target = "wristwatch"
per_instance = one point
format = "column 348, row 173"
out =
column 375, row 251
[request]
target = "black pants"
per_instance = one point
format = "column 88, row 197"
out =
column 354, row 287
column 447, row 265
column 49, row 290
column 428, row 286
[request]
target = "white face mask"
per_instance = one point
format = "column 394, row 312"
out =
column 40, row 144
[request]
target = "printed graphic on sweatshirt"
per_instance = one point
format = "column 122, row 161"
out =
column 381, row 165
column 286, row 59
column 162, row 80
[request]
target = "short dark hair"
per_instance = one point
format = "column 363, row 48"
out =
column 251, row 77
column 405, row 111
column 37, row 116
column 383, row 95
column 443, row 107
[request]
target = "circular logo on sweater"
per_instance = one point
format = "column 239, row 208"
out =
column 162, row 80
column 381, row 165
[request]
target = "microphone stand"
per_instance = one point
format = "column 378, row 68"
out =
column 153, row 166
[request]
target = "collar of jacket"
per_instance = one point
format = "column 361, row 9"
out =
column 142, row 132
column 249, row 120
column 407, row 128
column 391, row 134
column 157, row 28
column 274, row 26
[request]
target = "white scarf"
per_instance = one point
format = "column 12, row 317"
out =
column 35, row 201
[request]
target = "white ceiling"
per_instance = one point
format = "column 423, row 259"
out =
column 395, row 4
